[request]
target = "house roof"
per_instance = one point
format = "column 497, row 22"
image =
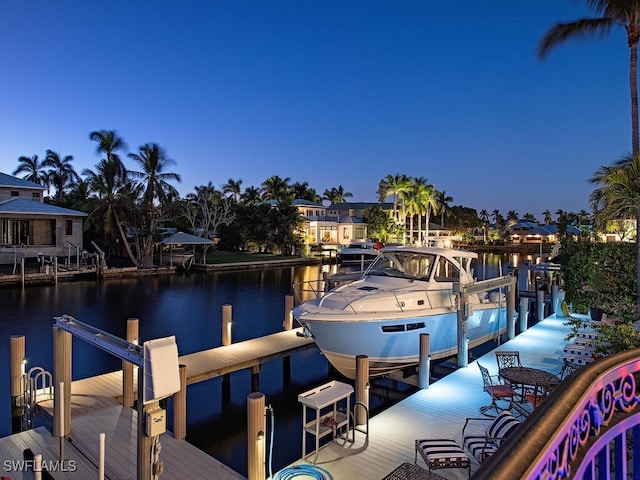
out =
column 298, row 202
column 359, row 205
column 181, row 238
column 23, row 206
column 15, row 182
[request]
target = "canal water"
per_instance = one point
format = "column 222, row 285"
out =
column 189, row 306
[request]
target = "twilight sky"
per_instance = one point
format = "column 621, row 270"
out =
column 331, row 92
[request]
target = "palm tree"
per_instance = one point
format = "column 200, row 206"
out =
column 617, row 195
column 155, row 189
column 547, row 217
column 530, row 217
column 610, row 13
column 484, row 218
column 425, row 200
column 251, row 196
column 61, row 173
column 336, row 195
column 154, row 181
column 33, row 170
column 398, row 186
column 111, row 204
column 302, row 191
column 443, row 203
column 233, row 187
column 108, row 143
column 512, row 217
column 276, row 188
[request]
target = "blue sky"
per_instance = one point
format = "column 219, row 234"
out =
column 327, row 92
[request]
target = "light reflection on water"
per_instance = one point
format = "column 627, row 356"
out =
column 189, row 307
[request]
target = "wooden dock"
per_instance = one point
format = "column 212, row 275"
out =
column 105, row 391
column 96, row 408
column 181, row 459
column 437, row 412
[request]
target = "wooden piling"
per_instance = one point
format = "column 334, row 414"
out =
column 127, row 367
column 16, row 368
column 180, row 407
column 256, row 433
column 288, row 317
column 554, row 298
column 62, row 374
column 362, row 388
column 425, row 361
column 22, row 272
column 55, row 270
column 226, row 324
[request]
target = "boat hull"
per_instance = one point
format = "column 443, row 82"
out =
column 393, row 344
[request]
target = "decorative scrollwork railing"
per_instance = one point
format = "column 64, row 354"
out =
column 589, row 427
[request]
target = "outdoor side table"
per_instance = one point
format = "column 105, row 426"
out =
column 324, row 401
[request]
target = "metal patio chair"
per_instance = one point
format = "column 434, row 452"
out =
column 497, row 390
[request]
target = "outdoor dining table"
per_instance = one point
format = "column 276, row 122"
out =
column 529, row 377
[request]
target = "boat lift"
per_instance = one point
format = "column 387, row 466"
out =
column 465, row 311
column 158, row 378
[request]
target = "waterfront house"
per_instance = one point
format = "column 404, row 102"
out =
column 330, row 226
column 530, row 232
column 29, row 227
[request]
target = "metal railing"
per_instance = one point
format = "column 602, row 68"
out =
column 589, row 427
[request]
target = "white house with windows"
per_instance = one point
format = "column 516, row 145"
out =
column 328, row 226
column 29, row 227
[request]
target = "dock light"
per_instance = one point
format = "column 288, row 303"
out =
column 24, row 366
column 260, row 435
column 367, row 386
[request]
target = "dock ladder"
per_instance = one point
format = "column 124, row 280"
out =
column 37, row 382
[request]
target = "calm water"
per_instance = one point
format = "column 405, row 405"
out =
column 190, row 307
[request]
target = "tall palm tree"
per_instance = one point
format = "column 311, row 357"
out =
column 425, row 200
column 443, row 204
column 153, row 177
column 617, row 195
column 276, row 188
column 398, row 186
column 512, row 217
column 155, row 191
column 233, row 187
column 61, row 173
column 111, row 204
column 33, row 169
column 547, row 217
column 109, row 143
column 625, row 13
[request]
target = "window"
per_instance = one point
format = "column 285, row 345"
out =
column 15, row 193
column 35, row 195
column 68, row 227
column 446, row 271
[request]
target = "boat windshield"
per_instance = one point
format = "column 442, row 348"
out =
column 412, row 265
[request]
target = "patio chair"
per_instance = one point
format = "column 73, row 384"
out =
column 508, row 358
column 539, row 393
column 497, row 390
column 483, row 445
column 568, row 367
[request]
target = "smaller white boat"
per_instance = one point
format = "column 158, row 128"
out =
column 177, row 258
column 358, row 252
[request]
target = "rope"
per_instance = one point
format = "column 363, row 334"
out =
column 307, row 471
